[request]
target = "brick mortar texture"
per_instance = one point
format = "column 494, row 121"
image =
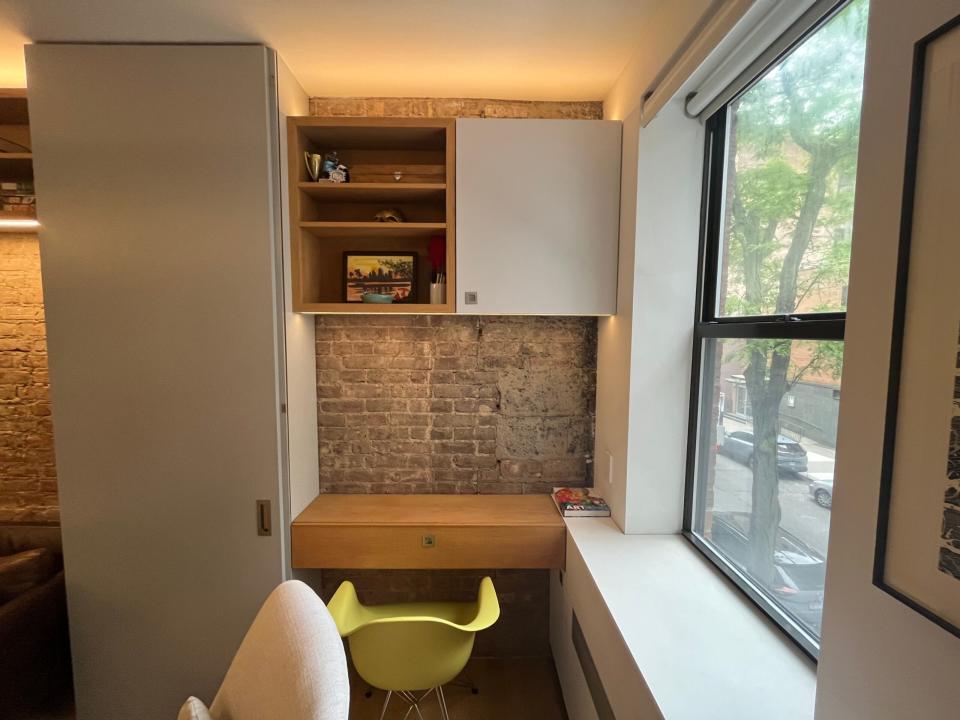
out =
column 28, row 480
column 456, row 404
column 453, row 404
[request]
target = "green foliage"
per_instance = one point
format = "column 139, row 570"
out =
column 794, row 131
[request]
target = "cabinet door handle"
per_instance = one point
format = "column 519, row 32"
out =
column 263, row 518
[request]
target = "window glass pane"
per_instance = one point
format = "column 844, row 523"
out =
column 790, row 174
column 765, row 467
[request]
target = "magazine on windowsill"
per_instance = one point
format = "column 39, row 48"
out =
column 578, row 502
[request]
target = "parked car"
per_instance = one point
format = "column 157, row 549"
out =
column 800, row 570
column 790, row 454
column 822, row 491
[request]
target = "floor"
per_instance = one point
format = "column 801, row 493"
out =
column 518, row 688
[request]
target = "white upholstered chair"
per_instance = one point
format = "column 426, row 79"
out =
column 290, row 666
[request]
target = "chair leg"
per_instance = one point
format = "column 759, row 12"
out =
column 386, row 701
column 444, row 713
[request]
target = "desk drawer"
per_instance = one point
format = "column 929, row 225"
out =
column 409, row 547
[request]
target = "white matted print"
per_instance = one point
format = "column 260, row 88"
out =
column 950, row 532
column 918, row 539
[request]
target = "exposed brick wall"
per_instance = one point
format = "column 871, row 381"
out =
column 453, row 108
column 28, row 481
column 456, row 405
column 432, row 403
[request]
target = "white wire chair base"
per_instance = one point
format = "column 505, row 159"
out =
column 415, row 702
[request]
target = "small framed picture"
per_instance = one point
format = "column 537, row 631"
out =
column 382, row 276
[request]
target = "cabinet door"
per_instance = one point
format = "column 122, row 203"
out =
column 538, row 204
column 156, row 166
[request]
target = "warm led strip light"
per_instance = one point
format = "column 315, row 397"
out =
column 25, row 223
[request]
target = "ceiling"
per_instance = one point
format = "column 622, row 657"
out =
column 510, row 49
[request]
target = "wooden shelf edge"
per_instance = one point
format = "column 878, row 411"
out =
column 371, row 229
column 21, row 156
column 389, row 226
column 358, row 308
column 401, row 186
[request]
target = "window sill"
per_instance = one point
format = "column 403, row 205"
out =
column 702, row 648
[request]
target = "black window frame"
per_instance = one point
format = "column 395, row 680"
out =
column 709, row 326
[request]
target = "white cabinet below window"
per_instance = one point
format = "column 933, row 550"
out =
column 537, row 218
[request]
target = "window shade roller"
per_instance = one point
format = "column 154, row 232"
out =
column 768, row 31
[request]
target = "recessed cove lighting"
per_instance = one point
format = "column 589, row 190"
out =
column 20, row 223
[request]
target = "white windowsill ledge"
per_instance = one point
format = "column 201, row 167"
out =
column 704, row 650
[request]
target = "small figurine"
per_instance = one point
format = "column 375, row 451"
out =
column 389, row 215
column 330, row 163
column 340, row 174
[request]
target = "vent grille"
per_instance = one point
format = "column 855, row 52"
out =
column 599, row 695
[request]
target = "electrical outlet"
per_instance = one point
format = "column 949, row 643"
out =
column 428, row 541
column 470, row 297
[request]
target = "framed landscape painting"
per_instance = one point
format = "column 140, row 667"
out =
column 382, row 274
column 918, row 533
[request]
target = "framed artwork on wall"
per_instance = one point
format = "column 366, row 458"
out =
column 918, row 532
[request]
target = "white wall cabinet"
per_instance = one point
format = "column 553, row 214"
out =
column 160, row 172
column 537, row 216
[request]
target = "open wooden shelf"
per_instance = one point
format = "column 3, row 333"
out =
column 360, row 308
column 372, row 229
column 397, row 192
column 16, row 161
column 332, row 219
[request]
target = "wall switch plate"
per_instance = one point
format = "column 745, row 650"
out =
column 609, row 467
column 428, row 541
column 470, row 297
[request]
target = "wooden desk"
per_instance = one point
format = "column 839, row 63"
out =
column 429, row 531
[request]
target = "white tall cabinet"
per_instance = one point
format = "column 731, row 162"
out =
column 537, row 216
column 170, row 354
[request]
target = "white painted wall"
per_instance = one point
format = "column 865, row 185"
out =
column 658, row 40
column 157, row 169
column 879, row 659
column 659, row 216
column 643, row 361
column 643, row 354
column 615, row 345
column 301, row 353
column 670, row 162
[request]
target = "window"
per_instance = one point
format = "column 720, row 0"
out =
column 777, row 216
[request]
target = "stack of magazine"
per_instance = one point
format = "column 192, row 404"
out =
column 578, row 502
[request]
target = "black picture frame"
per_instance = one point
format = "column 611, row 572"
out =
column 411, row 255
column 899, row 317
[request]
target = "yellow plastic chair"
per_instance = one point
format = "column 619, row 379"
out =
column 407, row 647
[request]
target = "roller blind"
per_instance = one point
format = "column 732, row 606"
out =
column 716, row 25
column 766, row 33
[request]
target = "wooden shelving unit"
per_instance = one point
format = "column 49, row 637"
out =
column 372, row 229
column 16, row 160
column 330, row 218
